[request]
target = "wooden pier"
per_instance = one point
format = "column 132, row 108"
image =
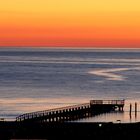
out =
column 107, row 105
column 74, row 112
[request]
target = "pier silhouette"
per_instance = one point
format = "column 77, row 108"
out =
column 57, row 124
column 71, row 113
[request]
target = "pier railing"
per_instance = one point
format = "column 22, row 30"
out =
column 43, row 113
column 71, row 112
column 108, row 102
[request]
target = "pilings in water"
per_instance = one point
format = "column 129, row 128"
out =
column 135, row 110
column 130, row 110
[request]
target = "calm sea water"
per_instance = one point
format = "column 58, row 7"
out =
column 38, row 79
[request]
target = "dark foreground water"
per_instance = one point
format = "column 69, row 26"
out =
column 38, row 79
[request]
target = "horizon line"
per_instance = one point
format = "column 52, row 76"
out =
column 74, row 48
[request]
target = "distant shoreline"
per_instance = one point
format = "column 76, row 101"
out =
column 70, row 48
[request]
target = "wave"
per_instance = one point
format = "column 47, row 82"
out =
column 109, row 75
column 46, row 60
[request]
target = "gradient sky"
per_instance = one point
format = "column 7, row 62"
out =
column 70, row 23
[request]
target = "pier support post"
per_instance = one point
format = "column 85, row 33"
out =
column 135, row 110
column 130, row 112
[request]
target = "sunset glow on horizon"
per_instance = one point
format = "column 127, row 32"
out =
column 70, row 23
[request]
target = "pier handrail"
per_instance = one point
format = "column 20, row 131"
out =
column 47, row 112
column 61, row 110
column 113, row 102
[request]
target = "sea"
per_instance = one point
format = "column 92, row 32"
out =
column 34, row 79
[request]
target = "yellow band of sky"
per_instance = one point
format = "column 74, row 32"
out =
column 70, row 23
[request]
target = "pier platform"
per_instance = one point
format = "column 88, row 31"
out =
column 75, row 112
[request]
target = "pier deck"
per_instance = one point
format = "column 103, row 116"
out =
column 74, row 112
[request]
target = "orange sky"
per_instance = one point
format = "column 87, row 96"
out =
column 70, row 23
